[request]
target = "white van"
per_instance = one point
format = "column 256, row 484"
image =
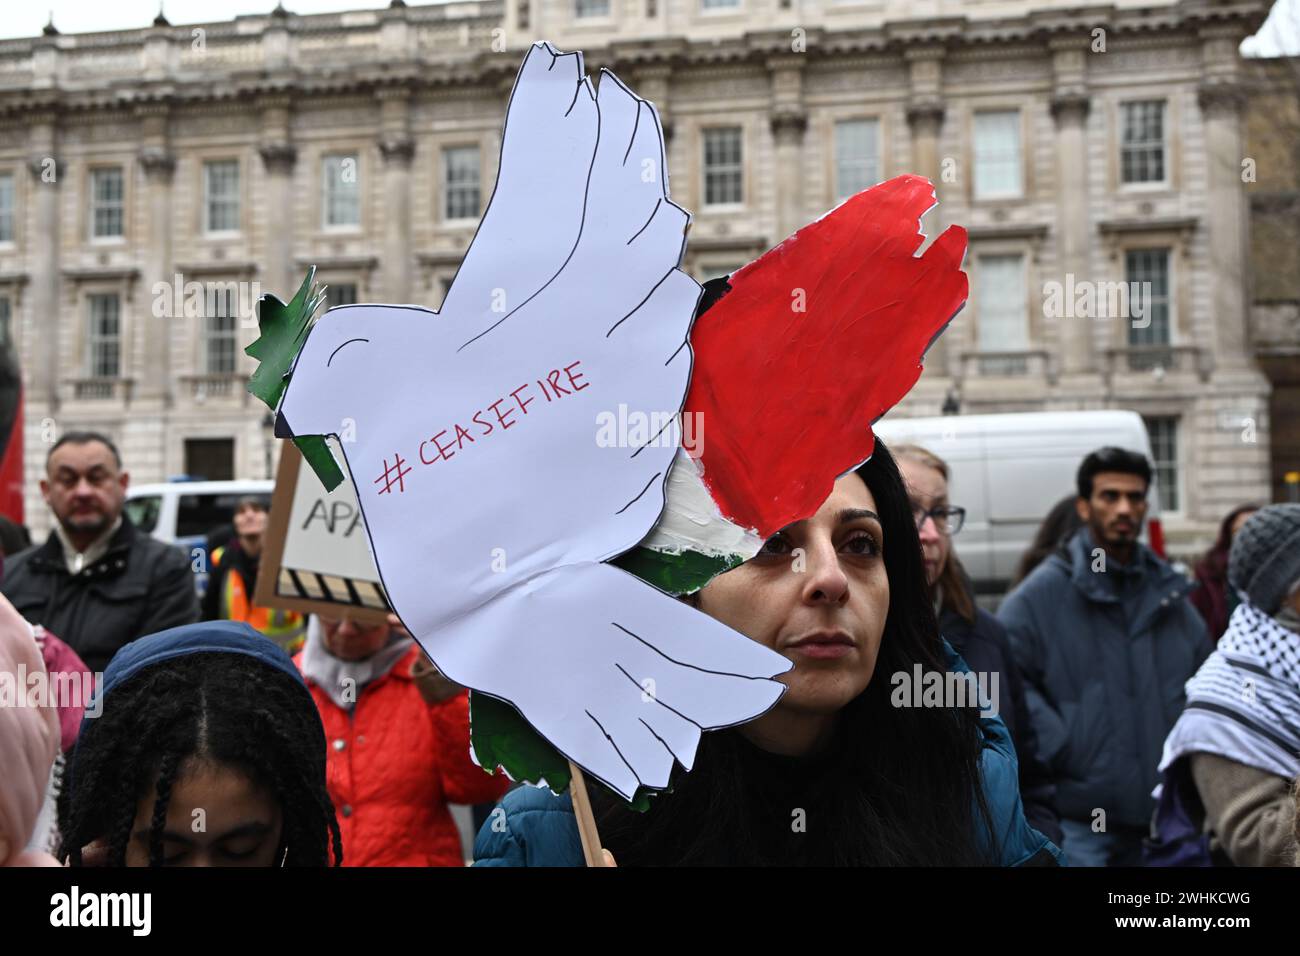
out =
column 1009, row 470
column 184, row 512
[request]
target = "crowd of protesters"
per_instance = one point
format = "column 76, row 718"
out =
column 200, row 709
column 1136, row 716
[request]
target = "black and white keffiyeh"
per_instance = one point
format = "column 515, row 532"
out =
column 1244, row 702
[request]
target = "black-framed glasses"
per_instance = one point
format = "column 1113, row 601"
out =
column 947, row 519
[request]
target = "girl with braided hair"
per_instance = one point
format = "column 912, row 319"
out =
column 209, row 752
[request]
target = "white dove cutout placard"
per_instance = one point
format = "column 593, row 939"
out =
column 489, row 502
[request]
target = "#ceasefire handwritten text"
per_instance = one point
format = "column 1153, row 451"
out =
column 502, row 415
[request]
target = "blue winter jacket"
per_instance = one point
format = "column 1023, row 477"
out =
column 534, row 827
column 983, row 646
column 1105, row 654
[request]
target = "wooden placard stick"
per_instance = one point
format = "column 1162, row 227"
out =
column 591, row 848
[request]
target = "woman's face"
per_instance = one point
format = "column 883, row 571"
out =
column 216, row 816
column 926, row 489
column 817, row 594
column 250, row 520
column 349, row 641
column 1237, row 522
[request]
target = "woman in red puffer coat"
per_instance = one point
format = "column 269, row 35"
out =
column 397, row 744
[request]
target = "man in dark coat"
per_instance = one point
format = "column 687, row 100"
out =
column 1106, row 638
column 97, row 582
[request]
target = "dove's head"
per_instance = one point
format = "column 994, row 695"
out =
column 338, row 371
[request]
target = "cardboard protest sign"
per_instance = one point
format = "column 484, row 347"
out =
column 490, row 507
column 316, row 558
column 517, row 546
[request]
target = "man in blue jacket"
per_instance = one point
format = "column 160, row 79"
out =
column 1106, row 639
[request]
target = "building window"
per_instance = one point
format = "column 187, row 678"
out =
column 106, row 205
column 221, row 196
column 221, row 342
column 1002, row 326
column 343, row 294
column 6, row 207
column 722, row 166
column 105, row 339
column 1142, row 142
column 460, row 182
column 6, row 321
column 719, row 4
column 342, row 198
column 1147, row 272
column 857, row 156
column 590, row 8
column 997, row 155
column 1163, row 432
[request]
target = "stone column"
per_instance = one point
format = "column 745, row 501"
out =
column 787, row 131
column 925, row 113
column 159, row 165
column 396, row 267
column 925, row 119
column 279, row 156
column 789, row 122
column 1070, row 106
column 925, row 109
column 652, row 85
column 50, row 321
column 1225, row 220
column 47, row 174
column 277, row 269
column 1222, row 98
column 1236, row 384
column 397, row 148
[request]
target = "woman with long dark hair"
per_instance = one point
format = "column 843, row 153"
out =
column 1213, row 597
column 205, row 748
column 849, row 767
column 1058, row 526
column 973, row 632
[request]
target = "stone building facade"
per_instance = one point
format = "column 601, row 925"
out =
column 1080, row 145
column 1273, row 145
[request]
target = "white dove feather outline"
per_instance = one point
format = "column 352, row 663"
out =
column 715, row 677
